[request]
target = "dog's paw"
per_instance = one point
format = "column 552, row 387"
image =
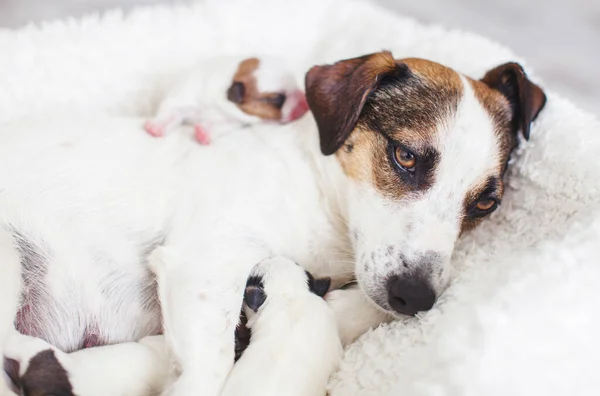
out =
column 154, row 128
column 201, row 134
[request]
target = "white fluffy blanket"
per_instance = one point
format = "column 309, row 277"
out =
column 521, row 317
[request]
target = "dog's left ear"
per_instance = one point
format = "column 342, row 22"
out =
column 526, row 98
column 319, row 286
column 337, row 93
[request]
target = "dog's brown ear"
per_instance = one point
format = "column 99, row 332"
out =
column 526, row 98
column 337, row 93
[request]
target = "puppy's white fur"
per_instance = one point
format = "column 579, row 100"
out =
column 294, row 345
column 200, row 97
column 127, row 369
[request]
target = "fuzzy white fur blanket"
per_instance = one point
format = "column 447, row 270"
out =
column 521, row 317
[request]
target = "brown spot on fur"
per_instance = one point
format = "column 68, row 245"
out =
column 407, row 109
column 254, row 102
column 411, row 108
column 372, row 104
column 46, row 376
column 337, row 93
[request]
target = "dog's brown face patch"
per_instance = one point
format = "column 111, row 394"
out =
column 245, row 94
column 425, row 149
column 402, row 116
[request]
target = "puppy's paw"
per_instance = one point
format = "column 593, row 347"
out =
column 155, row 128
column 201, row 134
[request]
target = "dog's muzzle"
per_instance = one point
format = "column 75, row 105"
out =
column 408, row 294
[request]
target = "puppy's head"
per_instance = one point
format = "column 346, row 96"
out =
column 279, row 279
column 426, row 149
column 266, row 89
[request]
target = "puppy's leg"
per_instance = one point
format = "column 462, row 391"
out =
column 39, row 371
column 214, row 123
column 201, row 294
column 126, row 369
column 10, row 288
column 170, row 115
column 355, row 314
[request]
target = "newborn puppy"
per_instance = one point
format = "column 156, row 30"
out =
column 225, row 93
column 128, row 369
column 294, row 345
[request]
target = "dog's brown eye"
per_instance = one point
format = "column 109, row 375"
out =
column 405, row 159
column 486, row 204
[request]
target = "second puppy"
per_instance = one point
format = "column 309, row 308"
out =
column 224, row 93
column 294, row 345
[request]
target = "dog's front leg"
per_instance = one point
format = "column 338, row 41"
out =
column 201, row 296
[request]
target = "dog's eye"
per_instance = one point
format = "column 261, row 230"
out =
column 276, row 100
column 486, row 204
column 405, row 159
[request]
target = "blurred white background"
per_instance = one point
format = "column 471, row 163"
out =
column 560, row 38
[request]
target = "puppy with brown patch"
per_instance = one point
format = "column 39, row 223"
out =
column 224, row 93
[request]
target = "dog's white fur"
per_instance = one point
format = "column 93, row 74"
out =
column 127, row 369
column 200, row 97
column 294, row 345
column 95, row 195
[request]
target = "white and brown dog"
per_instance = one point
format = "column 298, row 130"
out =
column 401, row 157
column 225, row 93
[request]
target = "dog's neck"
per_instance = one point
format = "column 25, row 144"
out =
column 331, row 179
column 332, row 187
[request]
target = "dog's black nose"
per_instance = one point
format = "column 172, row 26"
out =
column 409, row 295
